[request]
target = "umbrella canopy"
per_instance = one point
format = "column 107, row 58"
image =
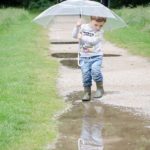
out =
column 82, row 8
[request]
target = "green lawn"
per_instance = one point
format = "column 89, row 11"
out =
column 28, row 96
column 136, row 38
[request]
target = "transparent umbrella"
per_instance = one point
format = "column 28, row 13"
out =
column 81, row 8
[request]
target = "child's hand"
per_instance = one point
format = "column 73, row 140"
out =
column 79, row 22
column 79, row 36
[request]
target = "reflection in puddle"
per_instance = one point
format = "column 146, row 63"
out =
column 91, row 132
column 94, row 126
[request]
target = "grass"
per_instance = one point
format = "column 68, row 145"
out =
column 28, row 96
column 136, row 37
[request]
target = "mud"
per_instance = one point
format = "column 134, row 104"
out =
column 95, row 126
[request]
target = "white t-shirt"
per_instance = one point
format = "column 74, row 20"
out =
column 91, row 41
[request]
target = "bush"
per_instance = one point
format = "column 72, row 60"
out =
column 31, row 4
column 40, row 4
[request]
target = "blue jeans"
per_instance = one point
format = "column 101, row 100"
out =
column 91, row 69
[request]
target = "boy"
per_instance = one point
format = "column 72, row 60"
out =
column 90, row 38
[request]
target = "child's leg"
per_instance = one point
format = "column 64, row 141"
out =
column 96, row 69
column 97, row 76
column 86, row 72
column 86, row 78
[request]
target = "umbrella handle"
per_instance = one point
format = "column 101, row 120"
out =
column 79, row 43
column 81, row 13
column 79, row 60
column 79, row 55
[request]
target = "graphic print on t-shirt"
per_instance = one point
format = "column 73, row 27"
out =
column 87, row 47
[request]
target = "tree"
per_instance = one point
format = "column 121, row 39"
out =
column 42, row 4
column 128, row 3
column 105, row 2
column 27, row 3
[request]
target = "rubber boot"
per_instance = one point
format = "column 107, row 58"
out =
column 87, row 94
column 100, row 91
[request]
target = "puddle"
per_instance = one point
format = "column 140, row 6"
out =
column 64, row 42
column 78, row 94
column 112, row 55
column 70, row 63
column 74, row 55
column 65, row 55
column 94, row 126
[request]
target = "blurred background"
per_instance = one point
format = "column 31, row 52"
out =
column 42, row 4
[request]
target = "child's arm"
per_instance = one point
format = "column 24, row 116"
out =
column 93, row 40
column 76, row 29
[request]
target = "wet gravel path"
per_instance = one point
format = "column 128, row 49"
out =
column 121, row 117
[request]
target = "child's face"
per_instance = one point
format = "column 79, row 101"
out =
column 97, row 25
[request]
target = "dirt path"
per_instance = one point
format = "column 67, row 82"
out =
column 111, row 122
column 126, row 77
